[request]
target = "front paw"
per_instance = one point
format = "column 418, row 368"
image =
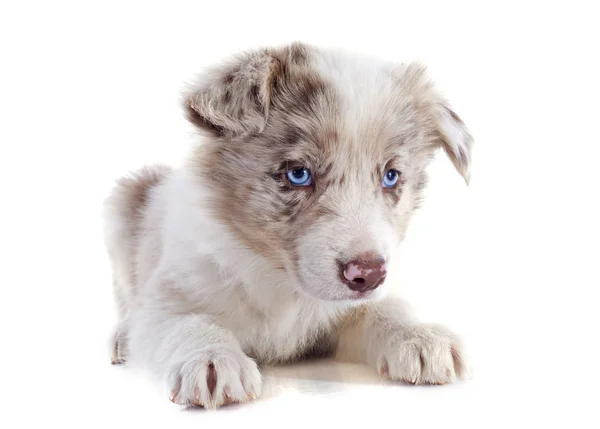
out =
column 423, row 354
column 213, row 378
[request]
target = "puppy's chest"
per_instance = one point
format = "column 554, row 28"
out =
column 285, row 332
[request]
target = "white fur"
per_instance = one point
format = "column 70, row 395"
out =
column 199, row 297
column 203, row 297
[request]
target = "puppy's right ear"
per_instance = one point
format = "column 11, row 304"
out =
column 233, row 99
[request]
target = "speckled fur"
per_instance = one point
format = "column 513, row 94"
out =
column 224, row 263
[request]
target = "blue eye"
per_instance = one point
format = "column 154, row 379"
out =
column 390, row 178
column 299, row 176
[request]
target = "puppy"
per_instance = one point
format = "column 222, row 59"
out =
column 274, row 240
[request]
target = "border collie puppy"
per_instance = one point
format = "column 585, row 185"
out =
column 273, row 241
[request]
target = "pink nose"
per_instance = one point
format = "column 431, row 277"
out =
column 364, row 273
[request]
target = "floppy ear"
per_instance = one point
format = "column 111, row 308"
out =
column 445, row 128
column 233, row 99
column 454, row 138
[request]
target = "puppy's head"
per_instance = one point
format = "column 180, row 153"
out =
column 317, row 159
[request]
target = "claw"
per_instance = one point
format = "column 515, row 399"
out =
column 174, row 398
column 175, row 392
column 211, row 378
column 384, row 370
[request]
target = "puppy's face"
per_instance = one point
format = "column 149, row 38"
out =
column 318, row 159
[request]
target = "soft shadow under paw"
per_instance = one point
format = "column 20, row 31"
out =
column 320, row 376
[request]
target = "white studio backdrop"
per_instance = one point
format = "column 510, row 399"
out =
column 89, row 90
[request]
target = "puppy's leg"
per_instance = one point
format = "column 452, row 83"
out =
column 387, row 337
column 201, row 362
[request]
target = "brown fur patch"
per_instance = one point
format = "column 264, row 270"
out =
column 272, row 209
column 130, row 198
column 298, row 53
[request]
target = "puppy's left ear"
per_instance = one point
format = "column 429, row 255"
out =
column 454, row 138
column 444, row 127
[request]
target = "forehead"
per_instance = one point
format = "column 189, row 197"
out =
column 338, row 110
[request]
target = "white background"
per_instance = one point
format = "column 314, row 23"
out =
column 89, row 90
